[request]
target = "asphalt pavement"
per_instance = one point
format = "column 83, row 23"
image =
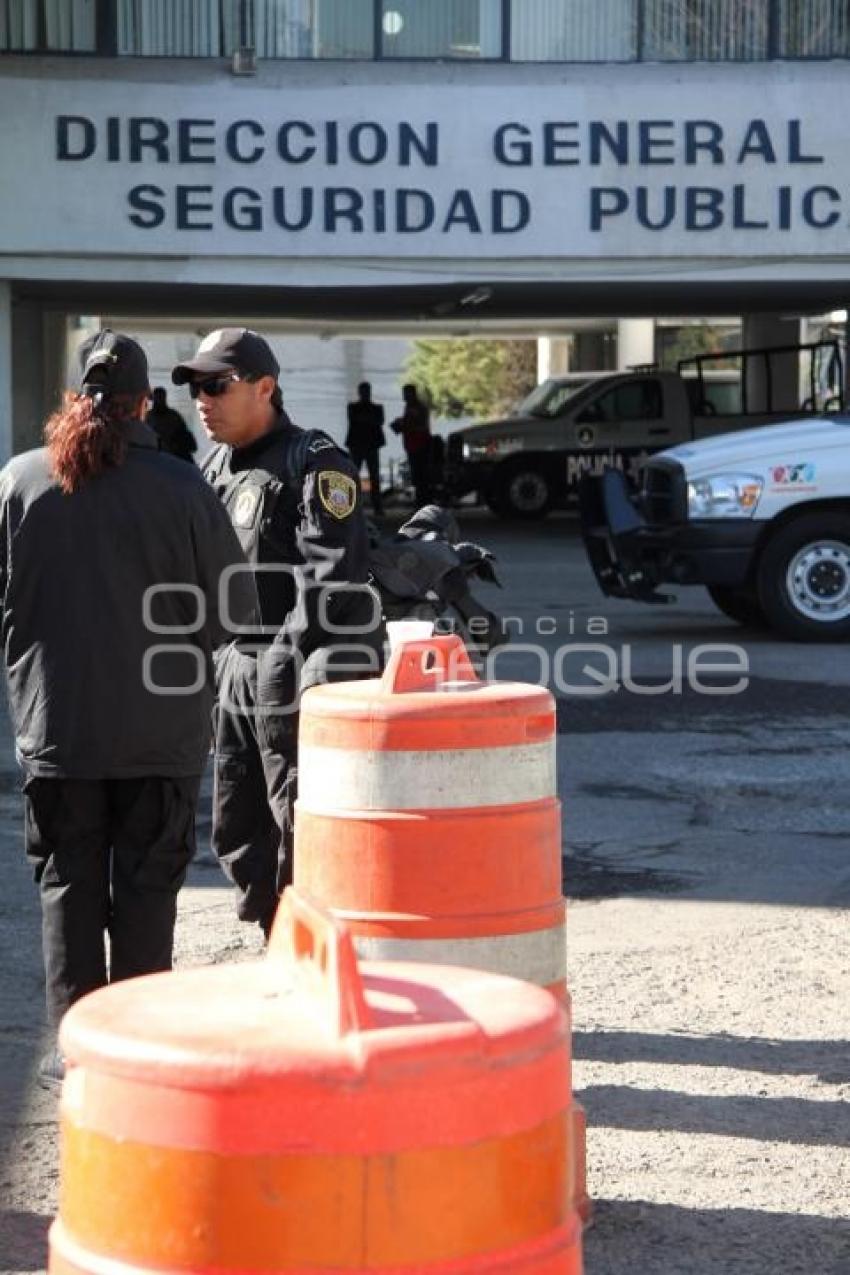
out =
column 704, row 776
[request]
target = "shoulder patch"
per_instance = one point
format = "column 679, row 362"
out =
column 321, row 443
column 337, row 492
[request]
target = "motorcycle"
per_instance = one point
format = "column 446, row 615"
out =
column 424, row 572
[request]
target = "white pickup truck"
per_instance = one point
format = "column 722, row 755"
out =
column 532, row 462
column 761, row 518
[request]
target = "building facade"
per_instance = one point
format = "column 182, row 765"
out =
column 453, row 165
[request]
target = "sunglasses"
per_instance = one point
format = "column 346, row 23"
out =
column 213, row 387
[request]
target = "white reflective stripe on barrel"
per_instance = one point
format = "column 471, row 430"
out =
column 537, row 956
column 346, row 779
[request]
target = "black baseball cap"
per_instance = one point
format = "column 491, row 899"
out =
column 116, row 364
column 229, row 350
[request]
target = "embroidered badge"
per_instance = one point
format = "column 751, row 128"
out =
column 245, row 509
column 337, row 492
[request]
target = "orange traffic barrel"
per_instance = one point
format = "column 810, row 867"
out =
column 427, row 817
column 299, row 1114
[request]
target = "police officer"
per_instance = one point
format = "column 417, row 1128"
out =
column 110, row 549
column 294, row 501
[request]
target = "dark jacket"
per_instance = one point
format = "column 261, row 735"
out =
column 365, row 427
column 414, row 426
column 294, row 499
column 172, row 431
column 91, row 697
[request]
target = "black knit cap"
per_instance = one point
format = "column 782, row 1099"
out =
column 116, row 364
column 229, row 350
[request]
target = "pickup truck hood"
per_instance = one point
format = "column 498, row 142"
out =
column 791, row 442
column 496, row 429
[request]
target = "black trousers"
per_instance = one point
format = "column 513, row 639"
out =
column 109, row 857
column 370, row 458
column 255, row 778
column 420, row 475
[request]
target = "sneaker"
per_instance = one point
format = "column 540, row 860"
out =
column 51, row 1070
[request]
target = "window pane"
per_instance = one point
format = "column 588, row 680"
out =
column 176, row 28
column 706, row 30
column 69, row 25
column 573, row 30
column 18, row 25
column 814, row 29
column 313, row 28
column 632, row 401
column 441, row 28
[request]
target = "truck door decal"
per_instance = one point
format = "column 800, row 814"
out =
column 597, row 462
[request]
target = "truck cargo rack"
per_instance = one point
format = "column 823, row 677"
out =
column 831, row 361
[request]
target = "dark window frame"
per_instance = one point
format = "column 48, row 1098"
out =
column 106, row 43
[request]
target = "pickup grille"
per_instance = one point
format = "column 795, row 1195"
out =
column 664, row 492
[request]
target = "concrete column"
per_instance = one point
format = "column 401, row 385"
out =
column 27, row 389
column 766, row 332
column 352, row 366
column 6, row 364
column 635, row 342
column 40, row 355
column 553, row 356
column 54, row 371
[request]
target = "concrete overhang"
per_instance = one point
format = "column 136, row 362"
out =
column 449, row 308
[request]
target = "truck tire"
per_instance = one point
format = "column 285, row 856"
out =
column 740, row 604
column 803, row 578
column 521, row 491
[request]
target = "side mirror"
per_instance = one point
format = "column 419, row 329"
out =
column 591, row 415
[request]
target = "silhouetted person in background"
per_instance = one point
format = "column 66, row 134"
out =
column 170, row 428
column 365, row 438
column 414, row 426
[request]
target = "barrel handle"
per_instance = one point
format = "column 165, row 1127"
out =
column 320, row 950
column 426, row 664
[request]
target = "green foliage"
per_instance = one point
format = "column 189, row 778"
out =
column 689, row 340
column 473, row 378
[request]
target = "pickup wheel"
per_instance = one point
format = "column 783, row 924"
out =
column 522, row 491
column 804, row 578
column 740, row 604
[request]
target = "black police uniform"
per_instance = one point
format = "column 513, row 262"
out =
column 294, row 501
column 110, row 743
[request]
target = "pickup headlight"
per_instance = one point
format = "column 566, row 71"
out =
column 491, row 449
column 724, row 496
column 474, row 451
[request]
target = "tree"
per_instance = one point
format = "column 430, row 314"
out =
column 473, row 378
column 691, row 339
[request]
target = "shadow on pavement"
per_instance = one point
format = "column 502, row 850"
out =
column 829, row 1060
column 24, row 1241
column 800, row 1121
column 678, row 1241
